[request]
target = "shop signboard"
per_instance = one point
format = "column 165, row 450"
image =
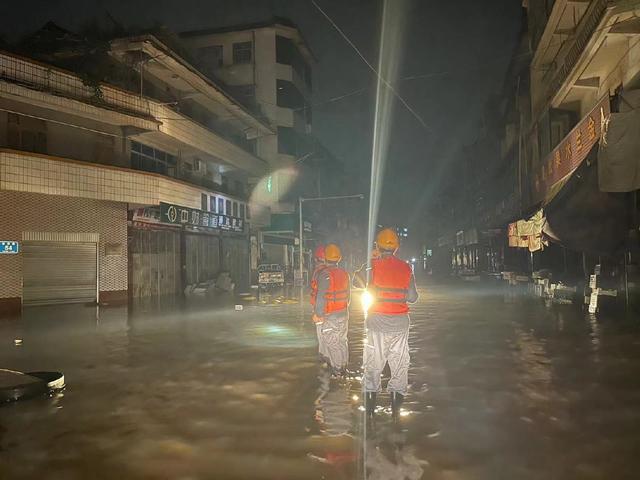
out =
column 178, row 215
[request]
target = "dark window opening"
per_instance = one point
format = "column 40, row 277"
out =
column 245, row 94
column 242, row 210
column 287, row 53
column 26, row 134
column 235, row 209
column 221, row 206
column 211, row 56
column 242, row 52
column 288, row 96
column 212, row 204
column 203, row 201
column 227, row 209
column 287, row 141
column 239, row 187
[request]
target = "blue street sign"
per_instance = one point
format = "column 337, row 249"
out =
column 9, row 248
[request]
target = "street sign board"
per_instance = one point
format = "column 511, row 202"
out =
column 9, row 247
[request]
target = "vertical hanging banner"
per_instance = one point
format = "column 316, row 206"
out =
column 571, row 151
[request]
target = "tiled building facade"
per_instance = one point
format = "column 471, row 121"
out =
column 30, row 216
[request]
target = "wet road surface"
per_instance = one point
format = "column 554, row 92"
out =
column 499, row 390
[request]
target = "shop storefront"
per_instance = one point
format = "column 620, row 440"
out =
column 173, row 247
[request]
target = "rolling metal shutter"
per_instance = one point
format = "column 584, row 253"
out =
column 59, row 272
column 235, row 251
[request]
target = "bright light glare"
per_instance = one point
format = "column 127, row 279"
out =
column 413, row 260
column 366, row 299
column 394, row 16
column 275, row 330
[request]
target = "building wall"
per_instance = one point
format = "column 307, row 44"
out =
column 27, row 172
column 263, row 73
column 33, row 212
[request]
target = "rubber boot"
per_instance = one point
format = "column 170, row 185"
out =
column 396, row 403
column 370, row 403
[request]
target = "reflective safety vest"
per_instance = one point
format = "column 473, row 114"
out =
column 389, row 285
column 337, row 295
column 314, row 282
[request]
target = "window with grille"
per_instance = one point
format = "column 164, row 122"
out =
column 242, row 52
column 228, row 207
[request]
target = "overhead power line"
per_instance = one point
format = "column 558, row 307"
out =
column 372, row 68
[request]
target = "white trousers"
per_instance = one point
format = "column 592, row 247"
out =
column 383, row 347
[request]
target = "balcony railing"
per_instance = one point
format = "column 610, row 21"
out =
column 585, row 30
column 44, row 78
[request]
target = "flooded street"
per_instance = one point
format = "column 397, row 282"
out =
column 499, row 389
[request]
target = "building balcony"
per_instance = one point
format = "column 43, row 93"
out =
column 581, row 54
column 43, row 86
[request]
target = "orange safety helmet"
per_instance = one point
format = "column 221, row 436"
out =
column 332, row 253
column 388, row 240
column 319, row 253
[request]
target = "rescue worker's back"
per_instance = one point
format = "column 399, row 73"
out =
column 390, row 282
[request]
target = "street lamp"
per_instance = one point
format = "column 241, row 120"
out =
column 301, row 200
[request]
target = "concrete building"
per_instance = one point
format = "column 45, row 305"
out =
column 563, row 192
column 577, row 161
column 270, row 68
column 134, row 184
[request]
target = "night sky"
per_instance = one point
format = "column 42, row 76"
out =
column 458, row 49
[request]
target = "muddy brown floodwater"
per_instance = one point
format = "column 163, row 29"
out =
column 499, row 390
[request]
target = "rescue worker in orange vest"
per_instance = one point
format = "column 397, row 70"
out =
column 319, row 267
column 392, row 286
column 331, row 311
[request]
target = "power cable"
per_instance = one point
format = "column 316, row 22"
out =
column 372, row 68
